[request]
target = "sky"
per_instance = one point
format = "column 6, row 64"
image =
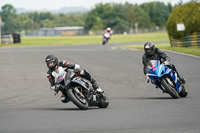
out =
column 57, row 4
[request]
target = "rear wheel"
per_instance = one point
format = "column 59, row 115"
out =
column 77, row 98
column 169, row 87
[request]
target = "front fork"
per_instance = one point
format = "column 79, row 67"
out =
column 160, row 86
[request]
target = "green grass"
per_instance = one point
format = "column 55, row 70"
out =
column 94, row 39
column 156, row 36
column 188, row 50
column 89, row 39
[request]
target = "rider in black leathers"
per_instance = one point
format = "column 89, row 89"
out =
column 53, row 64
column 152, row 53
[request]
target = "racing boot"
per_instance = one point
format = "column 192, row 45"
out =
column 95, row 85
column 64, row 99
column 183, row 80
column 87, row 75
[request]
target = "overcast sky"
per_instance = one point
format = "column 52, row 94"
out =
column 57, row 4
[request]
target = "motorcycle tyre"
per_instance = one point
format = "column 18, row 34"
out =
column 168, row 89
column 73, row 98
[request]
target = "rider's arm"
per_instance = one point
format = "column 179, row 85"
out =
column 162, row 55
column 67, row 64
column 144, row 61
column 51, row 78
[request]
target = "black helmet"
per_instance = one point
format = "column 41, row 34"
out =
column 149, row 48
column 51, row 58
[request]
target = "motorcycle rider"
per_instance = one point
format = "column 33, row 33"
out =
column 152, row 53
column 53, row 64
column 108, row 29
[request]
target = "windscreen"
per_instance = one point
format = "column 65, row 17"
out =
column 107, row 35
column 59, row 74
column 151, row 64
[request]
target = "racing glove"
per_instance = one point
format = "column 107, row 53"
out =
column 55, row 89
column 147, row 77
column 166, row 63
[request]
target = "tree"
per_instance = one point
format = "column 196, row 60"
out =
column 71, row 19
column 107, row 15
column 24, row 22
column 135, row 14
column 158, row 12
column 189, row 15
column 35, row 19
column 46, row 15
column 170, row 7
column 120, row 25
column 117, row 21
column 195, row 0
column 9, row 16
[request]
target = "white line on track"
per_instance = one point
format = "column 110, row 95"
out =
column 113, row 48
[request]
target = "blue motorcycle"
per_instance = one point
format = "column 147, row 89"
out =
column 166, row 79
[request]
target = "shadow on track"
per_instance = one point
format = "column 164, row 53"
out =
column 61, row 109
column 153, row 98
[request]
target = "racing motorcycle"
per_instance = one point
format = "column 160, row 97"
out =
column 78, row 89
column 106, row 37
column 166, row 79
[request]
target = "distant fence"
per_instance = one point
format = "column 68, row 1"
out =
column 56, row 31
column 187, row 41
column 129, row 31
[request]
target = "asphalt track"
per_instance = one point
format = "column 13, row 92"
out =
column 27, row 105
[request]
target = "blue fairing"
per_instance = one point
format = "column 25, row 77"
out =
column 157, row 70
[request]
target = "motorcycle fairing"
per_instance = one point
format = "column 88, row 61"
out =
column 79, row 81
column 157, row 70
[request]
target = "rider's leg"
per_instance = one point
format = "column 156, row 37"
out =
column 179, row 76
column 86, row 74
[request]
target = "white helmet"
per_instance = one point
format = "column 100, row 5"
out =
column 108, row 29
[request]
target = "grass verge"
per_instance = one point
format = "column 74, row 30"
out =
column 188, row 50
column 89, row 39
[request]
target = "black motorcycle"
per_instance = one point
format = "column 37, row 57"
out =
column 106, row 37
column 79, row 90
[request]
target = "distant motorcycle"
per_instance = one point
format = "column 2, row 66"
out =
column 106, row 37
column 79, row 90
column 166, row 79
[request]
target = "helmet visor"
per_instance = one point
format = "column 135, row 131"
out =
column 50, row 64
column 148, row 50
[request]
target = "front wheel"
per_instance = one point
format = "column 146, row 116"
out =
column 104, row 41
column 170, row 89
column 78, row 99
column 104, row 101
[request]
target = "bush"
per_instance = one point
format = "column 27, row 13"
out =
column 189, row 14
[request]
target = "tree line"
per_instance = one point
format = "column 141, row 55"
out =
column 120, row 17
